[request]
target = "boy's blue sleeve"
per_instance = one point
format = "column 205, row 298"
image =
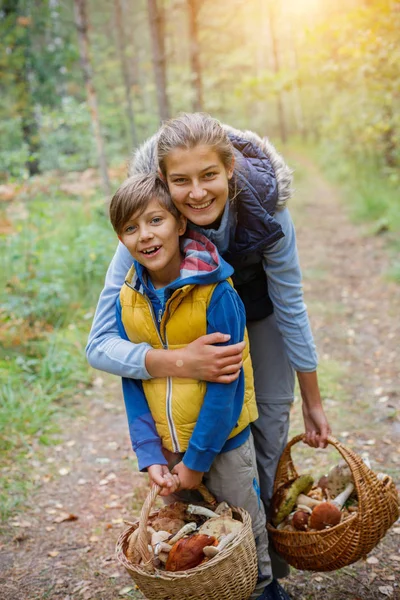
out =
column 223, row 402
column 144, row 437
column 105, row 349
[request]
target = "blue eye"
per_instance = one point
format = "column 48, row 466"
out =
column 180, row 180
column 210, row 175
column 130, row 229
column 156, row 220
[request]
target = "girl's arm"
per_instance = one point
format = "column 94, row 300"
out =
column 282, row 267
column 108, row 352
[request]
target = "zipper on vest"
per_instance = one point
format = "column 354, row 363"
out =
column 168, row 397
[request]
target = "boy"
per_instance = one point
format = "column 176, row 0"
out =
column 175, row 292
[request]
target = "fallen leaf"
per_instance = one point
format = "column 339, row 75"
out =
column 21, row 524
column 390, row 578
column 51, row 511
column 114, row 575
column 319, row 579
column 64, row 516
column 82, row 481
column 70, row 443
column 396, row 530
column 93, row 538
column 386, row 590
column 103, row 482
column 125, row 590
column 53, row 553
column 394, row 557
column 63, row 471
column 372, row 560
column 117, row 521
column 50, row 528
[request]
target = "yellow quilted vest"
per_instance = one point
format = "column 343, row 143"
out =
column 175, row 402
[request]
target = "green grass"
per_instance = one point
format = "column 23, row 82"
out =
column 51, row 272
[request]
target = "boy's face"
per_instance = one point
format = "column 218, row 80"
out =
column 152, row 238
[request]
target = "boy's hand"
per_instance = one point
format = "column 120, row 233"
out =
column 189, row 479
column 161, row 475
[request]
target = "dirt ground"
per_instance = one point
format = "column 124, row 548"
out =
column 62, row 545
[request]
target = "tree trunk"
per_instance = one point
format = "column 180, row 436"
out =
column 193, row 11
column 158, row 47
column 22, row 76
column 276, row 67
column 84, row 47
column 125, row 69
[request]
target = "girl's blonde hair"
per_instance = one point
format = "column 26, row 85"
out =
column 193, row 129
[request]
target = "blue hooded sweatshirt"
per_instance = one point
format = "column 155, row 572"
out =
column 222, row 404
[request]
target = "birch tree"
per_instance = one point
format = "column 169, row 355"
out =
column 80, row 11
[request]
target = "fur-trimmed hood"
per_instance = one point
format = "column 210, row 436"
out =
column 144, row 160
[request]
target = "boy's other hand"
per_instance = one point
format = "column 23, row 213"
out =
column 188, row 479
column 203, row 360
column 161, row 475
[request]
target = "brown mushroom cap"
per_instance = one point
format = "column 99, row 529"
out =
column 300, row 520
column 324, row 515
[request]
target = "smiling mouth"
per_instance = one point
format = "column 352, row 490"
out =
column 150, row 251
column 202, row 206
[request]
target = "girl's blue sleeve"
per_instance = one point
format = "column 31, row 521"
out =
column 281, row 264
column 223, row 402
column 105, row 349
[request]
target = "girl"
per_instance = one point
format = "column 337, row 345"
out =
column 233, row 187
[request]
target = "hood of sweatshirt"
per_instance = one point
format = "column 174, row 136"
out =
column 145, row 160
column 201, row 265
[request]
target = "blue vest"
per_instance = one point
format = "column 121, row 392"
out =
column 256, row 192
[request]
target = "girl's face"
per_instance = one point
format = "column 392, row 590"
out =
column 198, row 182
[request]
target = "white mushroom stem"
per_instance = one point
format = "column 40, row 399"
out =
column 186, row 529
column 304, row 500
column 222, row 508
column 161, row 547
column 305, row 508
column 163, row 557
column 159, row 536
column 211, row 551
column 341, row 499
column 194, row 509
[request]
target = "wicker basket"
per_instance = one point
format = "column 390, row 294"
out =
column 231, row 575
column 344, row 544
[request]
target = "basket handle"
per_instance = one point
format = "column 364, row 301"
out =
column 145, row 552
column 286, row 469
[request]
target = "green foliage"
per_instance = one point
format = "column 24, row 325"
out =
column 52, row 269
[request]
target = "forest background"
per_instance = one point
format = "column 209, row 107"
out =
column 83, row 82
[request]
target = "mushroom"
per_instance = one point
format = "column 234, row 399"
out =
column 211, row 551
column 286, row 495
column 300, row 520
column 221, row 526
column 338, row 477
column 167, row 524
column 132, row 553
column 186, row 529
column 306, row 501
column 328, row 514
column 188, row 552
column 224, row 509
column 194, row 509
column 159, row 536
column 325, row 515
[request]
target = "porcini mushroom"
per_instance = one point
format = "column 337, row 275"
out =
column 188, row 552
column 186, row 529
column 300, row 520
column 324, row 515
column 221, row 526
column 286, row 495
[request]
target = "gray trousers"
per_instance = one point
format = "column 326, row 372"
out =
column 274, row 386
column 233, row 477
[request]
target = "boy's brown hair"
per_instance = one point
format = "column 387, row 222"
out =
column 133, row 197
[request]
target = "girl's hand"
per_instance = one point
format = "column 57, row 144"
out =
column 161, row 475
column 189, row 479
column 200, row 360
column 317, row 427
column 316, row 424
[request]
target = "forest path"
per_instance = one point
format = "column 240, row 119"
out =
column 92, row 473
